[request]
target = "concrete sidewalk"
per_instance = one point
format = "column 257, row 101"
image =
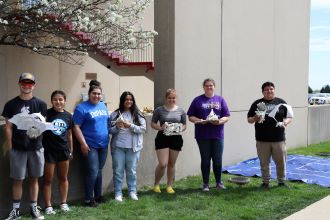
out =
column 319, row 210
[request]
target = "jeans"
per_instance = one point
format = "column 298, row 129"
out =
column 94, row 163
column 124, row 159
column 211, row 149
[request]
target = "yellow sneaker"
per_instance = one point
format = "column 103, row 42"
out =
column 170, row 190
column 157, row 189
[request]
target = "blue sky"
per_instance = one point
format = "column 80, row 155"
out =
column 319, row 56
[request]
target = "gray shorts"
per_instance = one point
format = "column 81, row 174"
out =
column 30, row 161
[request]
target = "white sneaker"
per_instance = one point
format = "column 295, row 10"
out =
column 119, row 198
column 50, row 211
column 65, row 207
column 133, row 196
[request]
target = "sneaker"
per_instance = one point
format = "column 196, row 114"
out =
column 119, row 198
column 157, row 189
column 100, row 199
column 65, row 207
column 283, row 185
column 264, row 186
column 133, row 196
column 91, row 203
column 50, row 211
column 170, row 190
column 206, row 188
column 14, row 214
column 220, row 186
column 35, row 213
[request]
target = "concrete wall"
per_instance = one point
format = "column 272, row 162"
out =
column 318, row 124
column 266, row 41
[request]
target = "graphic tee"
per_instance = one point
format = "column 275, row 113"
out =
column 57, row 139
column 20, row 141
column 201, row 107
column 267, row 131
column 93, row 121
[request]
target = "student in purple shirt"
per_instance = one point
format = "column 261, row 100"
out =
column 209, row 133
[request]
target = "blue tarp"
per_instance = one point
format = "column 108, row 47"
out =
column 309, row 169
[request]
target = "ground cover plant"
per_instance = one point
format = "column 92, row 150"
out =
column 189, row 202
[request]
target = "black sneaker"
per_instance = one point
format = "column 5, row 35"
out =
column 14, row 214
column 283, row 185
column 100, row 199
column 264, row 186
column 91, row 203
column 35, row 213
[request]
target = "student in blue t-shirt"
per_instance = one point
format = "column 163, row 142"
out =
column 91, row 129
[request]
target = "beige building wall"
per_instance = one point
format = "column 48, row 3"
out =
column 266, row 41
column 16, row 61
column 52, row 74
column 240, row 44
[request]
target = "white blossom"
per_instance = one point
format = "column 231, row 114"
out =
column 109, row 24
column 44, row 2
column 53, row 4
column 39, row 11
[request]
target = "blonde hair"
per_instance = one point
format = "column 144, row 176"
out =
column 169, row 92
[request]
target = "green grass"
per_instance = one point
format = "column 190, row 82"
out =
column 243, row 203
column 313, row 149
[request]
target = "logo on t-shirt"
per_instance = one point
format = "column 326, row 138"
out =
column 211, row 105
column 98, row 113
column 269, row 107
column 25, row 109
column 60, row 126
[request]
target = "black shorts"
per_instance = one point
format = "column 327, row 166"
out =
column 173, row 142
column 54, row 156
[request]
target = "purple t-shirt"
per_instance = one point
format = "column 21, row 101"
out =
column 201, row 107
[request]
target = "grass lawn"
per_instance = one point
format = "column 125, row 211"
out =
column 245, row 202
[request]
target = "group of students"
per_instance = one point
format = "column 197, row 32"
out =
column 93, row 126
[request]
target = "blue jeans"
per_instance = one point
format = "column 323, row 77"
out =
column 211, row 149
column 94, row 163
column 124, row 159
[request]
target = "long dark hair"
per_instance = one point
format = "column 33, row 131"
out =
column 136, row 113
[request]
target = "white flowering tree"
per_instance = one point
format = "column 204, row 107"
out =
column 67, row 29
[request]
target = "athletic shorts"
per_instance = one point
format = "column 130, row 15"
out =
column 55, row 156
column 173, row 142
column 26, row 163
